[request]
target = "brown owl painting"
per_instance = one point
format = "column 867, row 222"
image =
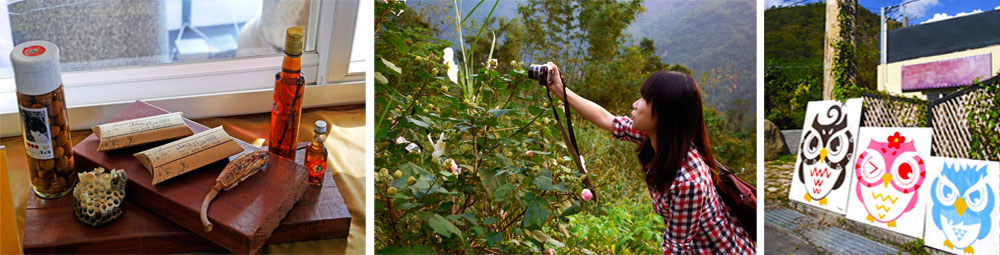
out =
column 826, row 153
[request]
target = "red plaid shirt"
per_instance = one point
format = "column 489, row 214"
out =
column 696, row 219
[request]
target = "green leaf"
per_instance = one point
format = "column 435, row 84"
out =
column 573, row 209
column 562, row 229
column 535, row 215
column 381, row 78
column 543, row 180
column 478, row 230
column 429, row 121
column 392, row 66
column 502, row 192
column 489, row 220
column 405, row 206
column 381, row 133
column 443, row 226
column 500, row 112
column 535, row 110
column 555, row 243
column 397, row 42
column 489, row 179
column 417, row 249
column 494, row 238
column 417, row 122
column 561, row 187
column 539, row 236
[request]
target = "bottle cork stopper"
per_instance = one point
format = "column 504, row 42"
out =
column 293, row 40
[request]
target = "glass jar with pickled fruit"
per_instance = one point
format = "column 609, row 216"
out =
column 44, row 122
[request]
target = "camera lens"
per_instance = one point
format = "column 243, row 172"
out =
column 539, row 73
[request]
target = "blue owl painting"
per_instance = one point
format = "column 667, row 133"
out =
column 962, row 205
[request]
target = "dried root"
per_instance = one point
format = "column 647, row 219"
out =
column 236, row 171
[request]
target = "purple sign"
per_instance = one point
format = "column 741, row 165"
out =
column 954, row 72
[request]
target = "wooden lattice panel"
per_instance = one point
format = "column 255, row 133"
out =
column 887, row 111
column 951, row 124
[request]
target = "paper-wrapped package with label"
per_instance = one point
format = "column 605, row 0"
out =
column 181, row 156
column 128, row 133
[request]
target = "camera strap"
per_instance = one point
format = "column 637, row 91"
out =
column 569, row 137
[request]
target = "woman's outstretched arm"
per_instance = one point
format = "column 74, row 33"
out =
column 590, row 110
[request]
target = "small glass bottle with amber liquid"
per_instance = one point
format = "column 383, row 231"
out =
column 316, row 155
column 289, row 85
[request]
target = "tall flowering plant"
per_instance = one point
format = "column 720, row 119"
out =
column 468, row 159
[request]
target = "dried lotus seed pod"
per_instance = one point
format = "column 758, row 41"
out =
column 97, row 199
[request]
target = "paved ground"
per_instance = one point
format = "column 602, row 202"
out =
column 781, row 241
column 777, row 177
column 795, row 229
column 802, row 234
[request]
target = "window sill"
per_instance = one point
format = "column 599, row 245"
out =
column 222, row 89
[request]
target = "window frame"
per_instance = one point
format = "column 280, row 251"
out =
column 214, row 87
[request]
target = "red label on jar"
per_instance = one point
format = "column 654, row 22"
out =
column 316, row 168
column 32, row 51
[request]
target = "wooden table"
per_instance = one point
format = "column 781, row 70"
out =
column 346, row 164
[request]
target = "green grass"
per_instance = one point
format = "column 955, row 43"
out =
column 783, row 159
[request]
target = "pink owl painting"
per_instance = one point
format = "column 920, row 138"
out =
column 888, row 172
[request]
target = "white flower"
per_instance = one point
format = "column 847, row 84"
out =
column 413, row 148
column 393, row 2
column 492, row 64
column 438, row 146
column 449, row 61
column 401, row 140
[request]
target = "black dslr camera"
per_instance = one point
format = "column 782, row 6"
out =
column 539, row 73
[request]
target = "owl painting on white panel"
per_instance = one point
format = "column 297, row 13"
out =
column 826, row 153
column 963, row 212
column 889, row 173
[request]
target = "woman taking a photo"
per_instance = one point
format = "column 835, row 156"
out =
column 668, row 126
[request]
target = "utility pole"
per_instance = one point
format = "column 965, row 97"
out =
column 883, row 65
column 834, row 36
column 882, row 36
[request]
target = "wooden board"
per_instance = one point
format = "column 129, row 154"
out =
column 144, row 226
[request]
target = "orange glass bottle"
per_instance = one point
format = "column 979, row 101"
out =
column 316, row 155
column 289, row 85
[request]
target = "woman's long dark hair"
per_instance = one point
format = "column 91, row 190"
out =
column 676, row 102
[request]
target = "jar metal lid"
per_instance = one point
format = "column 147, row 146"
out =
column 36, row 67
column 320, row 127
